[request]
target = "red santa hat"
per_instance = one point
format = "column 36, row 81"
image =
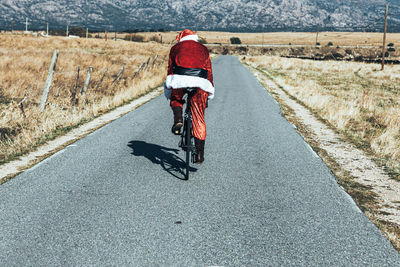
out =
column 186, row 35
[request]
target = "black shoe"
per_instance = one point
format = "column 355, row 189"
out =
column 178, row 121
column 176, row 128
column 199, row 157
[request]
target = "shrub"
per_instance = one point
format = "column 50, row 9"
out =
column 337, row 55
column 349, row 51
column 202, row 40
column 242, row 50
column 138, row 38
column 317, row 43
column 391, row 44
column 330, row 44
column 235, row 40
column 155, row 38
column 391, row 49
column 57, row 32
column 77, row 31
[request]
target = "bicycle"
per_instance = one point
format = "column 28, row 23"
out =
column 187, row 139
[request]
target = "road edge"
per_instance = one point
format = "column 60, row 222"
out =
column 11, row 169
column 373, row 200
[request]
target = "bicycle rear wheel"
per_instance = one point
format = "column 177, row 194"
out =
column 188, row 142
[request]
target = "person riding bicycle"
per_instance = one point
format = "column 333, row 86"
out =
column 189, row 65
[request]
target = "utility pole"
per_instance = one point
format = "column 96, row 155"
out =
column 106, row 35
column 316, row 39
column 12, row 25
column 87, row 33
column 47, row 29
column 26, row 24
column 384, row 38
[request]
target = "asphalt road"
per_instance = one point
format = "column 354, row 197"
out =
column 261, row 198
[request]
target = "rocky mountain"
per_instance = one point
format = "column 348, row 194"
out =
column 227, row 15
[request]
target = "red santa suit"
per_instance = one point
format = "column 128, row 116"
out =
column 189, row 54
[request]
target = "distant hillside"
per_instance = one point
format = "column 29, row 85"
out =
column 226, row 15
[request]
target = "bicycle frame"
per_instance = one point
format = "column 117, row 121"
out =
column 187, row 142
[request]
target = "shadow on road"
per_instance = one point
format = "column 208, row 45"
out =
column 164, row 156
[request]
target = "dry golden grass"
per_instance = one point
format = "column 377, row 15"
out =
column 356, row 98
column 295, row 38
column 310, row 38
column 24, row 66
column 272, row 38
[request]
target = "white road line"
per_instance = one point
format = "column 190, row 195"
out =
column 312, row 150
column 45, row 160
column 353, row 204
column 15, row 167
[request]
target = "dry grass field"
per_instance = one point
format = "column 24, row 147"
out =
column 277, row 38
column 304, row 38
column 24, row 63
column 358, row 99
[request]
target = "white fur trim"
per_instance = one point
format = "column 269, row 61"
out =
column 192, row 37
column 176, row 81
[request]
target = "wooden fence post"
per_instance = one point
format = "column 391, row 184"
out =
column 49, row 80
column 85, row 87
column 102, row 78
column 24, row 100
column 138, row 70
column 146, row 64
column 154, row 61
column 121, row 71
column 163, row 60
column 75, row 87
